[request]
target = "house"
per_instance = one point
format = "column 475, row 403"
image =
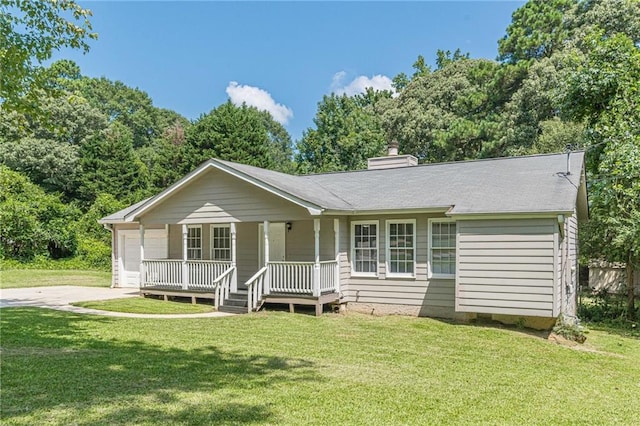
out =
column 495, row 237
column 611, row 277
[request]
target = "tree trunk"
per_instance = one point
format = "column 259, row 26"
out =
column 631, row 307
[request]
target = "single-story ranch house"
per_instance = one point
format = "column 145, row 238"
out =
column 495, row 237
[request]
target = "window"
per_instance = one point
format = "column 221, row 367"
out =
column 442, row 248
column 401, row 248
column 221, row 242
column 364, row 248
column 194, row 242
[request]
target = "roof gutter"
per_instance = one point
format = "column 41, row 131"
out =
column 350, row 212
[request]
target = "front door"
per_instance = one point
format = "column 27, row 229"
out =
column 277, row 237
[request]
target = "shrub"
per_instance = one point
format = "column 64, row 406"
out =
column 94, row 253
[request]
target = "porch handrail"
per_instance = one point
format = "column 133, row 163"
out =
column 255, row 288
column 222, row 286
column 328, row 275
column 291, row 277
column 202, row 273
column 161, row 272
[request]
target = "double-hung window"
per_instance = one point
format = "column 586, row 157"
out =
column 221, row 242
column 442, row 248
column 194, row 242
column 401, row 237
column 364, row 248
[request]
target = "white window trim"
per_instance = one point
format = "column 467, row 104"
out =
column 201, row 248
column 429, row 239
column 211, row 236
column 388, row 249
column 354, row 273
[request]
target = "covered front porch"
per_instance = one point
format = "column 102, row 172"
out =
column 248, row 264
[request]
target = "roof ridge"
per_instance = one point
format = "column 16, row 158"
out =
column 444, row 163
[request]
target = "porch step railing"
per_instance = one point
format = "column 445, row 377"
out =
column 256, row 288
column 222, row 286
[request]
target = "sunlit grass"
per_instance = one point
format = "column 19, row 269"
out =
column 140, row 305
column 280, row 368
column 15, row 278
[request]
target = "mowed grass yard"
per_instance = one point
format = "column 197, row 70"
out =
column 16, row 278
column 296, row 369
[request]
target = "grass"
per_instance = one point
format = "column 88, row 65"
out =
column 291, row 369
column 141, row 305
column 17, row 278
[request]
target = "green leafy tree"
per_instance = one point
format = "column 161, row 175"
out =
column 238, row 133
column 348, row 132
column 109, row 165
column 537, row 30
column 31, row 221
column 449, row 114
column 30, row 31
column 605, row 90
column 50, row 164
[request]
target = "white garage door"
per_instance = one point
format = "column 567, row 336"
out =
column 155, row 247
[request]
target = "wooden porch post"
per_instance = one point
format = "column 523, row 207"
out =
column 234, row 277
column 267, row 278
column 185, row 268
column 316, row 266
column 336, row 245
column 142, row 277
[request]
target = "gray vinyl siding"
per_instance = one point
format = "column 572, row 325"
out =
column 419, row 291
column 216, row 197
column 506, row 266
column 247, row 251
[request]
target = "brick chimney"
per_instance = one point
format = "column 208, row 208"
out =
column 392, row 160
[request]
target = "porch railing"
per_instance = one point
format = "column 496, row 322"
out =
column 170, row 274
column 291, row 277
column 255, row 288
column 328, row 275
column 202, row 273
column 162, row 273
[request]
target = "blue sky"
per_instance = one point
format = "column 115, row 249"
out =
column 279, row 56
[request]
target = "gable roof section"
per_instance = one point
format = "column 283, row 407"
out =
column 535, row 184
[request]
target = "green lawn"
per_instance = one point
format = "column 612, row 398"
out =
column 140, row 305
column 13, row 278
column 280, row 368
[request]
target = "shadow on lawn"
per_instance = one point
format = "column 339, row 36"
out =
column 52, row 359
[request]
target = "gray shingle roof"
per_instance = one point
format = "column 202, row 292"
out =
column 530, row 184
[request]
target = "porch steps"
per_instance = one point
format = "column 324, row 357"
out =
column 236, row 303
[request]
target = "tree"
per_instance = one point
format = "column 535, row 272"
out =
column 449, row 114
column 348, row 132
column 128, row 106
column 30, row 31
column 50, row 164
column 605, row 90
column 109, row 165
column 537, row 30
column 31, row 221
column 238, row 133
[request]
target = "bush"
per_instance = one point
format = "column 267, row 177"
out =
column 94, row 253
column 607, row 310
column 45, row 263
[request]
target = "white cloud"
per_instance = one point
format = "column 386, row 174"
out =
column 359, row 84
column 259, row 98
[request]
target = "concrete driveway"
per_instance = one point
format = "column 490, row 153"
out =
column 61, row 297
